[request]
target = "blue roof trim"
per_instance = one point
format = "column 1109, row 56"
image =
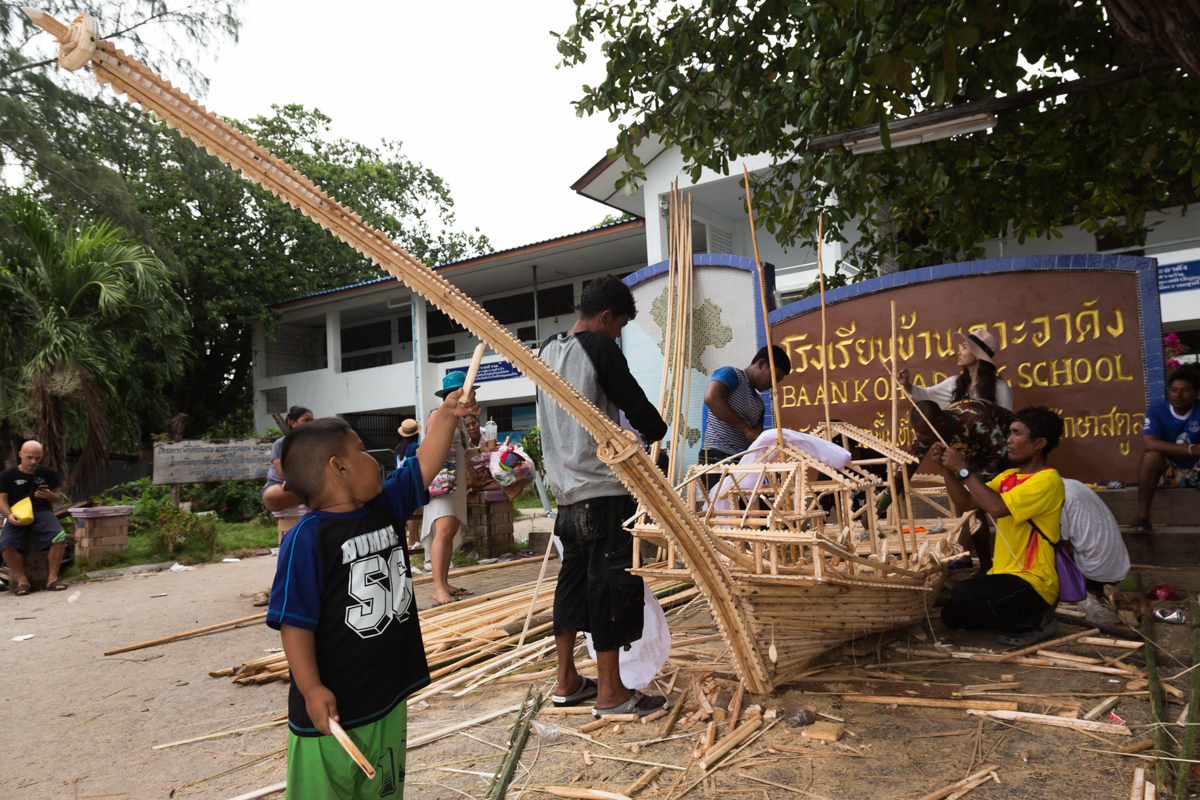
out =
column 1147, row 275
column 736, row 262
column 436, row 267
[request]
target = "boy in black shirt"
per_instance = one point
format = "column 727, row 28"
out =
column 343, row 603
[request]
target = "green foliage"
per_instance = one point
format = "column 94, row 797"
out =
column 723, row 80
column 237, row 539
column 83, row 308
column 531, row 443
column 242, row 249
column 234, row 501
column 176, row 531
column 272, row 433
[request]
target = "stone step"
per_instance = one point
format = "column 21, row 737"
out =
column 1171, row 507
column 1169, row 546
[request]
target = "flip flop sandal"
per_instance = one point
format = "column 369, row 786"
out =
column 1140, row 525
column 23, row 590
column 56, row 586
column 638, row 703
column 445, row 602
column 588, row 688
column 1033, row 637
column 461, row 592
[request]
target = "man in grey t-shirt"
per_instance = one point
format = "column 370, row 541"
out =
column 596, row 592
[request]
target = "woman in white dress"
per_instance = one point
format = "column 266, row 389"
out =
column 977, row 379
column 444, row 523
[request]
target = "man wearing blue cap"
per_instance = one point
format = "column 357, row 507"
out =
column 596, row 592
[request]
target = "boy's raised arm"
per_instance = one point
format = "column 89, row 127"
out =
column 300, row 646
column 431, row 455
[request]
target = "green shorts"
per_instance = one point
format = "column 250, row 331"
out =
column 319, row 769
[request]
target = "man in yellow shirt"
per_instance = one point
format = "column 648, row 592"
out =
column 1018, row 594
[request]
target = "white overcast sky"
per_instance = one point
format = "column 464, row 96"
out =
column 468, row 86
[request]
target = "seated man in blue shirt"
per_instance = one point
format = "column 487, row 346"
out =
column 733, row 406
column 1171, row 442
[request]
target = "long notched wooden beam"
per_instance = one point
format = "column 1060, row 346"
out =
column 138, row 84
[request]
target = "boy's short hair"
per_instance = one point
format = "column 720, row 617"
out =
column 1189, row 374
column 307, row 449
column 608, row 293
column 1043, row 424
column 782, row 362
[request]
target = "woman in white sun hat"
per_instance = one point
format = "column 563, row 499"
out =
column 977, row 379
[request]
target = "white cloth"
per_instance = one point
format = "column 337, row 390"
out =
column 453, row 504
column 822, row 450
column 943, row 393
column 1094, row 534
column 645, row 657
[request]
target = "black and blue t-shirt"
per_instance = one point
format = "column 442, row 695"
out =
column 346, row 577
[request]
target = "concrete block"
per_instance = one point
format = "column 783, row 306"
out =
column 503, row 528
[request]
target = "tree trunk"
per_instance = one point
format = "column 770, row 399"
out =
column 1171, row 27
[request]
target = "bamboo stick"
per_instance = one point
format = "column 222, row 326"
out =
column 1138, row 790
column 472, row 371
column 206, row 737
column 669, row 725
column 1157, row 707
column 1056, row 722
column 824, row 335
column 642, row 782
column 946, row 791
column 1047, row 645
column 1102, row 707
column 575, row 793
column 455, row 573
column 351, row 749
column 762, row 293
column 931, row 702
column 722, row 747
column 1187, row 750
column 791, row 789
column 460, row 726
column 274, row 788
column 177, row 636
column 519, row 736
column 538, row 586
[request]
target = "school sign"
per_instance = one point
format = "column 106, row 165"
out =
column 1080, row 334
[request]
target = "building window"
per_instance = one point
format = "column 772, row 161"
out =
column 404, row 330
column 557, row 301
column 438, row 324
column 441, row 351
column 366, row 337
column 513, row 420
column 377, row 431
column 276, row 400
column 366, row 361
column 527, row 334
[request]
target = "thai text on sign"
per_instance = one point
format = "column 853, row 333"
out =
column 211, row 460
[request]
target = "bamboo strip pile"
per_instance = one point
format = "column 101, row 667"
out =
column 477, row 635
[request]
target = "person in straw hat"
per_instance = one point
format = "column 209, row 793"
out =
column 978, row 378
column 410, row 431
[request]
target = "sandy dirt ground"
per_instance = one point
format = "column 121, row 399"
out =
column 78, row 724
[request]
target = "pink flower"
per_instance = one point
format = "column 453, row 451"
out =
column 1173, row 363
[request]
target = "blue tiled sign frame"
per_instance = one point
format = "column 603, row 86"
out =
column 1146, row 269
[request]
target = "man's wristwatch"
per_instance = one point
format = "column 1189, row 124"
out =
column 964, row 473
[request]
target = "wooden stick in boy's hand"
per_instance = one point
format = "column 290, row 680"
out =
column 472, row 371
column 348, row 745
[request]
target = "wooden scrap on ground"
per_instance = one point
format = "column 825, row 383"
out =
column 945, row 792
column 1102, row 707
column 1047, row 645
column 1058, row 722
column 186, row 634
column 643, row 781
column 824, row 731
column 932, row 702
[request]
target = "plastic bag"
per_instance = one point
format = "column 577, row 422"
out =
column 645, row 657
column 509, row 464
column 546, row 732
column 1163, row 591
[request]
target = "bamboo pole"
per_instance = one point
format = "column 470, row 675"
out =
column 946, row 791
column 460, row 726
column 177, row 636
column 644, row 781
column 208, row 736
column 536, row 588
column 1046, row 645
column 762, row 294
column 824, row 335
column 1056, row 722
column 472, row 371
column 274, row 788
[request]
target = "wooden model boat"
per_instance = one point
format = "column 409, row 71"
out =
column 812, row 588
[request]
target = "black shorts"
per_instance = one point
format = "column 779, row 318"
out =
column 712, row 457
column 1004, row 603
column 596, row 593
column 44, row 531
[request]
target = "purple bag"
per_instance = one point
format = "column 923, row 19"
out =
column 1072, row 586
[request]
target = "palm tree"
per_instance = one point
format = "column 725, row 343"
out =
column 74, row 306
